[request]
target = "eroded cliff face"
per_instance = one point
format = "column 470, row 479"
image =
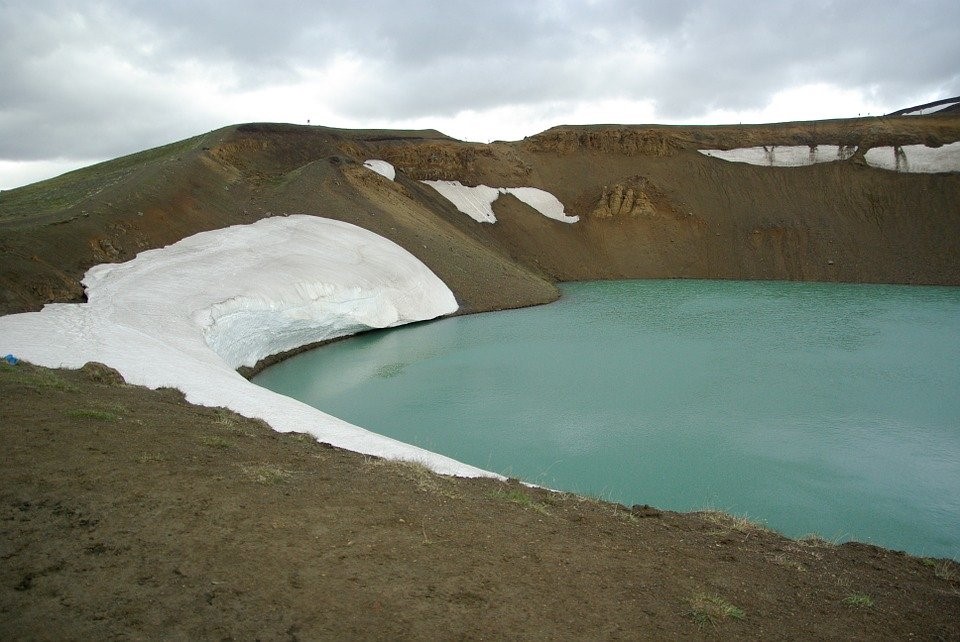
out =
column 650, row 206
column 619, row 141
column 633, row 198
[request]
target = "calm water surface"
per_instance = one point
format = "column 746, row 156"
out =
column 815, row 408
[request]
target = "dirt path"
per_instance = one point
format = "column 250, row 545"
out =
column 130, row 513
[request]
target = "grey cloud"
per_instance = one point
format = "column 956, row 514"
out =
column 735, row 57
column 728, row 55
column 87, row 79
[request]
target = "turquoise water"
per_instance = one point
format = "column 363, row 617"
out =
column 814, row 408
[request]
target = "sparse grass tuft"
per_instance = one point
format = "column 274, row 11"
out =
column 519, row 497
column 112, row 412
column 733, row 523
column 944, row 569
column 35, row 378
column 92, row 413
column 150, row 458
column 302, row 437
column 227, row 420
column 625, row 515
column 416, row 472
column 859, row 600
column 813, row 540
column 604, row 503
column 224, row 417
column 215, row 441
column 782, row 559
column 267, row 475
column 706, row 608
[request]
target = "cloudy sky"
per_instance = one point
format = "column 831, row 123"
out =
column 87, row 81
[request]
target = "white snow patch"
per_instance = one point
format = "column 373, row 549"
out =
column 930, row 110
column 909, row 158
column 782, row 155
column 381, row 167
column 185, row 316
column 916, row 158
column 477, row 202
column 542, row 201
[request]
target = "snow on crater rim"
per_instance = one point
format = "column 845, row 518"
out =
column 782, row 155
column 931, row 110
column 381, row 167
column 916, row 158
column 477, row 202
column 908, row 158
column 185, row 316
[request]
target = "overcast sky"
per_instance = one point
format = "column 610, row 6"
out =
column 87, row 81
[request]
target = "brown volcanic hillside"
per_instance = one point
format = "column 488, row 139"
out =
column 130, row 513
column 54, row 231
column 650, row 206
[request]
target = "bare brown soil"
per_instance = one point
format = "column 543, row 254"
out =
column 129, row 513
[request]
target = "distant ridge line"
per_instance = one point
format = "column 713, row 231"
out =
column 942, row 101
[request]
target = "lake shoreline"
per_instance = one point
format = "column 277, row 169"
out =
column 826, row 384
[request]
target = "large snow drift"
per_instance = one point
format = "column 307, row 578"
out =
column 185, row 316
column 909, row 158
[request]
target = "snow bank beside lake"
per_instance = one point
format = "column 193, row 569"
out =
column 477, row 202
column 185, row 316
column 908, row 158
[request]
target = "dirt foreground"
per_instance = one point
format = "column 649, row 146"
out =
column 199, row 524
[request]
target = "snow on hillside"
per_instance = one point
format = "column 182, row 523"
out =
column 916, row 158
column 544, row 202
column 909, row 158
column 932, row 109
column 187, row 315
column 477, row 202
column 782, row 155
column 381, row 167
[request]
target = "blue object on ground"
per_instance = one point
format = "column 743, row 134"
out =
column 12, row 360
